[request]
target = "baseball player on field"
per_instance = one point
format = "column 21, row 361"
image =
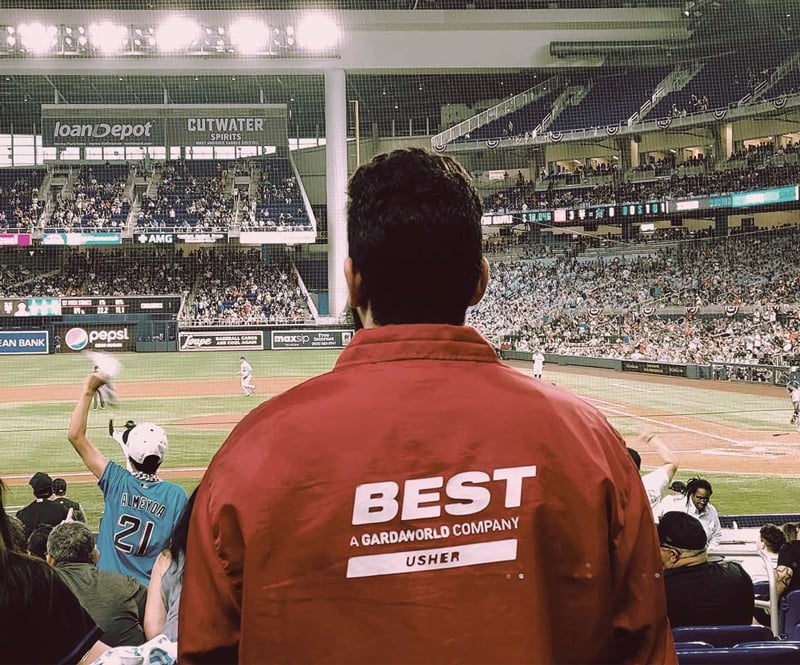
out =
column 245, row 374
column 794, row 393
column 538, row 365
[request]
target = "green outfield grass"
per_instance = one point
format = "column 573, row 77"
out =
column 33, row 434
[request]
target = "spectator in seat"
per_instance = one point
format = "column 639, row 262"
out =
column 697, row 503
column 41, row 510
column 700, row 592
column 303, row 549
column 60, row 491
column 786, row 576
column 114, row 601
column 164, row 590
column 771, row 540
column 37, row 542
column 41, row 619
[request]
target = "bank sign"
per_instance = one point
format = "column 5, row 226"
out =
column 310, row 339
column 24, row 341
column 221, row 340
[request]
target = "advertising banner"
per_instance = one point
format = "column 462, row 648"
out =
column 97, row 338
column 664, row 369
column 164, row 125
column 201, row 238
column 153, row 238
column 276, row 237
column 82, row 239
column 24, row 341
column 310, row 339
column 15, row 239
column 221, row 340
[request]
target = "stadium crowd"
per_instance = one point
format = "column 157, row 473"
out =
column 279, row 206
column 226, row 286
column 20, row 206
column 95, row 202
column 245, row 292
column 610, row 307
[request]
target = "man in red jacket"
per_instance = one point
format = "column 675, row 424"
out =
column 422, row 502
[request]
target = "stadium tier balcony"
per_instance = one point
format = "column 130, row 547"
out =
column 20, row 206
column 191, row 196
column 95, row 203
column 612, row 100
column 519, row 122
column 238, row 289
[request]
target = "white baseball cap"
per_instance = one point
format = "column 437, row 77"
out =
column 141, row 441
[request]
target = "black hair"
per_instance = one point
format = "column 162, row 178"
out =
column 773, row 537
column 180, row 534
column 636, row 457
column 59, row 486
column 414, row 234
column 149, row 465
column 695, row 484
column 37, row 541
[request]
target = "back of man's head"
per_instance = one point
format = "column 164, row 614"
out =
column 773, row 538
column 41, row 484
column 37, row 541
column 414, row 233
column 636, row 457
column 70, row 542
column 59, row 486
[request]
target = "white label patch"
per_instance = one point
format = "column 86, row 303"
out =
column 415, row 561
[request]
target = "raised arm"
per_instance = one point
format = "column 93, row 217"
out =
column 94, row 460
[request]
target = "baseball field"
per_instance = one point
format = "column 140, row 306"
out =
column 736, row 435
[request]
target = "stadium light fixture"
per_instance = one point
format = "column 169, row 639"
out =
column 249, row 36
column 38, row 38
column 177, row 33
column 317, row 32
column 107, row 37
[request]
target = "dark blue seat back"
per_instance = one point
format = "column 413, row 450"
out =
column 789, row 619
column 722, row 636
column 777, row 654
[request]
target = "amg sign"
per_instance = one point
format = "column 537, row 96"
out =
column 153, row 238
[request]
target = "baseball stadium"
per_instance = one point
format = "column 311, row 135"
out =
column 173, row 196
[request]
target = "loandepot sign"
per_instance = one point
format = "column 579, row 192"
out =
column 163, row 125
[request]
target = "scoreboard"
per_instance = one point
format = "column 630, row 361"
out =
column 90, row 306
column 101, row 305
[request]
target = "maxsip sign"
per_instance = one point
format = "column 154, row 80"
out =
column 23, row 341
column 310, row 339
column 221, row 340
column 98, row 338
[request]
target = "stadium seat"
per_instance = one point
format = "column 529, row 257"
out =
column 692, row 646
column 763, row 645
column 789, row 616
column 777, row 654
column 722, row 636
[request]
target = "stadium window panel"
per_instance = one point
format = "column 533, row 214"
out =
column 23, row 156
column 5, row 140
column 23, row 140
column 158, row 152
column 134, row 152
column 94, row 153
column 174, row 152
column 248, row 151
column 115, row 152
column 47, row 154
column 199, row 152
column 225, row 152
column 5, row 156
column 69, row 154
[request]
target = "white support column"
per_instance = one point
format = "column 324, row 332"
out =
column 336, row 185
